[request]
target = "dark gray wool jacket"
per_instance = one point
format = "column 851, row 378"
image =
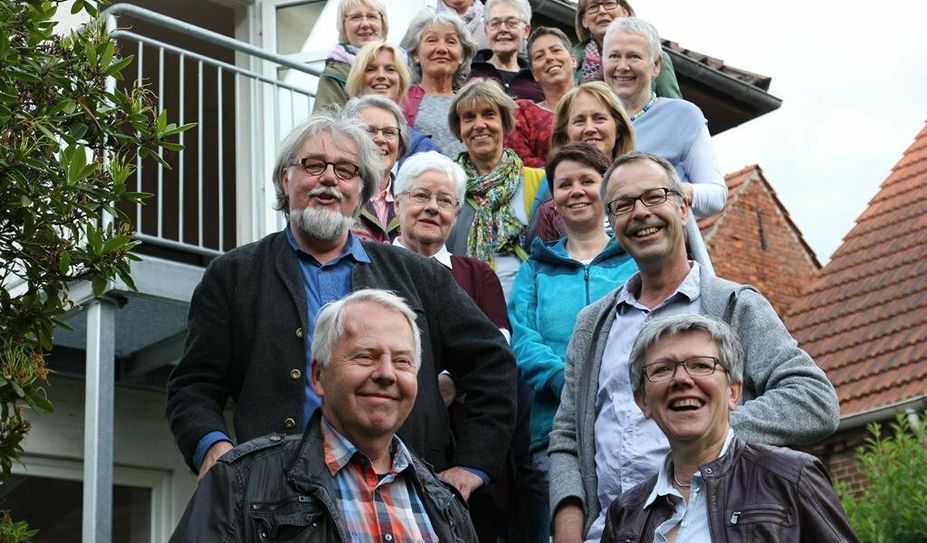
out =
column 246, row 343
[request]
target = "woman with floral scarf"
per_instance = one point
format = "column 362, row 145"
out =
column 592, row 20
column 500, row 189
column 359, row 22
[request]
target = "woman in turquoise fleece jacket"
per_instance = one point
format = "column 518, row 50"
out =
column 560, row 278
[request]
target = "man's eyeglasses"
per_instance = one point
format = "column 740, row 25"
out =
column 511, row 23
column 650, row 198
column 697, row 366
column 389, row 132
column 344, row 170
column 596, row 6
column 422, row 197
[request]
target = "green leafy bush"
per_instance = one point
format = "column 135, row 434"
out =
column 893, row 505
column 67, row 145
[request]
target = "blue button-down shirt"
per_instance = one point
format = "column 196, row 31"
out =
column 323, row 283
column 628, row 447
column 691, row 516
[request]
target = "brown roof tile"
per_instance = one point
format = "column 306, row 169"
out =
column 865, row 319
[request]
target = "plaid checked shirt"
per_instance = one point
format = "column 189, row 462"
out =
column 374, row 509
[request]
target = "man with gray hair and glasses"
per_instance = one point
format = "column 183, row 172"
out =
column 252, row 316
column 601, row 445
column 687, row 374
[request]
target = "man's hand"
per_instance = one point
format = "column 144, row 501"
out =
column 568, row 523
column 447, row 388
column 464, row 481
column 214, row 453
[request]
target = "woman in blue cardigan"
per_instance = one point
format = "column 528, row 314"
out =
column 560, row 278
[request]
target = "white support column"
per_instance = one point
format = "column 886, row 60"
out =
column 98, row 422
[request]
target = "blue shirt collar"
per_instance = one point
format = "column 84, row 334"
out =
column 352, row 247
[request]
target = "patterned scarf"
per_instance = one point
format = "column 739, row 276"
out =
column 495, row 227
column 592, row 62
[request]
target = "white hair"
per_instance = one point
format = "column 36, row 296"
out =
column 329, row 325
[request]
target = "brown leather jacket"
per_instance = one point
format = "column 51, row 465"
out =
column 754, row 492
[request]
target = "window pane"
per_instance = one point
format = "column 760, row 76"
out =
column 294, row 24
column 27, row 498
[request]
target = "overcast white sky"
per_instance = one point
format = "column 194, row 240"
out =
column 853, row 80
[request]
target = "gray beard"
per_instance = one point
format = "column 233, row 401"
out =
column 321, row 224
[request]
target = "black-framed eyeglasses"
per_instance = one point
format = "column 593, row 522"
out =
column 344, row 170
column 389, row 132
column 596, row 6
column 510, row 22
column 696, row 366
column 650, row 198
column 422, row 197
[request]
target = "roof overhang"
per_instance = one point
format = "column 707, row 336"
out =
column 883, row 413
column 725, row 100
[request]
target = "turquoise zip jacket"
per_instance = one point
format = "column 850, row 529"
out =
column 550, row 290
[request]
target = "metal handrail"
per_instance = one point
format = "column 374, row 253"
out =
column 236, row 107
column 206, row 35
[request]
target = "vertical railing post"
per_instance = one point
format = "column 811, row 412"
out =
column 98, row 422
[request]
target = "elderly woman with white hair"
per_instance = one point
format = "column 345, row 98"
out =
column 440, row 51
column 429, row 191
column 359, row 22
column 507, row 23
column 671, row 128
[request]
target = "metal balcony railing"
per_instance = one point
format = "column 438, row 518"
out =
column 230, row 89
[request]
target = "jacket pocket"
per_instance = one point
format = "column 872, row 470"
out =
column 760, row 522
column 287, row 520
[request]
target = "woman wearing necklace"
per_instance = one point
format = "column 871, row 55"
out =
column 714, row 485
column 440, row 51
column 673, row 129
column 592, row 19
column 552, row 65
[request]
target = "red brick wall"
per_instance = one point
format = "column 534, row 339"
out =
column 755, row 244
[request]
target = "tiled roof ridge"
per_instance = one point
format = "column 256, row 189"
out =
column 859, row 339
column 831, row 271
column 794, row 316
column 733, row 195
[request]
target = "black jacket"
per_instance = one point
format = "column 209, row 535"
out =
column 522, row 85
column 754, row 493
column 246, row 342
column 278, row 488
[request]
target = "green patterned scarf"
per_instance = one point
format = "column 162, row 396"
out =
column 495, row 227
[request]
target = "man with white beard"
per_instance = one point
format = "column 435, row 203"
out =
column 252, row 316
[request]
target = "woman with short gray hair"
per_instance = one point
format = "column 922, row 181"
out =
column 388, row 129
column 440, row 51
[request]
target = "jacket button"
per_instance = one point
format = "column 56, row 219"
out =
column 295, row 374
column 289, row 423
column 299, row 332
